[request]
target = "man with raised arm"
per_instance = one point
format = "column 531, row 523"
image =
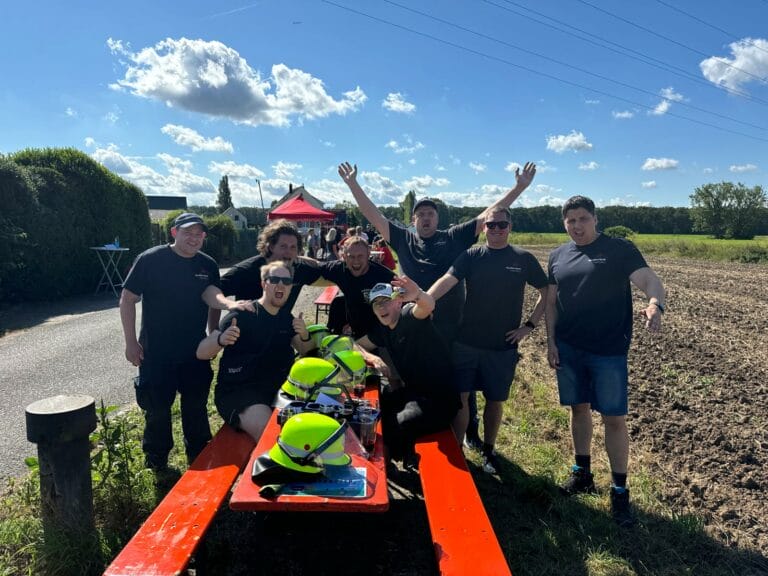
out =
column 177, row 284
column 427, row 254
column 589, row 329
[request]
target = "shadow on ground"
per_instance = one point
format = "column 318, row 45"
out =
column 23, row 316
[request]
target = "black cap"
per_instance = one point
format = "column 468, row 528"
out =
column 189, row 219
column 425, row 202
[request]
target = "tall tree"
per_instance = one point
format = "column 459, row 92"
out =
column 224, row 200
column 407, row 206
column 727, row 210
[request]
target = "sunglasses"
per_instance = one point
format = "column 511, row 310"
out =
column 501, row 225
column 287, row 280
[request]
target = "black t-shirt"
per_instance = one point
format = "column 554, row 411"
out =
column 420, row 355
column 263, row 352
column 496, row 280
column 173, row 315
column 244, row 279
column 594, row 297
column 425, row 260
column 355, row 288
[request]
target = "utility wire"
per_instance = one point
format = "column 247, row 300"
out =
column 536, row 72
column 714, row 27
column 668, row 39
column 566, row 65
column 622, row 50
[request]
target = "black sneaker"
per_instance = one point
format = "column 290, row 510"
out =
column 472, row 438
column 491, row 462
column 621, row 510
column 579, row 482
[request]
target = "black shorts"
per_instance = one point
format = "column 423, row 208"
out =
column 231, row 401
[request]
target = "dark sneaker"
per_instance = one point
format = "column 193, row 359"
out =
column 579, row 482
column 491, row 462
column 472, row 439
column 621, row 510
column 411, row 462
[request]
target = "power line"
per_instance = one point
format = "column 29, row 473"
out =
column 566, row 65
column 697, row 19
column 622, row 50
column 536, row 72
column 667, row 38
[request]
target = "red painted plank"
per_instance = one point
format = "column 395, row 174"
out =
column 462, row 534
column 327, row 295
column 169, row 537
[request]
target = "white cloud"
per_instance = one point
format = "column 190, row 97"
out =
column 477, row 167
column 670, row 94
column 591, row 102
column 233, row 170
column 71, row 112
column 625, row 202
column 440, row 168
column 412, row 161
column 90, row 142
column 739, row 168
column 589, row 166
column 575, row 141
column 649, row 184
column 396, row 103
column 623, row 114
column 381, row 189
column 708, row 170
column 184, row 136
column 661, row 108
column 409, row 147
column 421, row 183
column 327, row 143
column 659, row 164
column 512, row 166
column 545, row 189
column 285, row 169
column 749, row 59
column 213, row 79
column 111, row 117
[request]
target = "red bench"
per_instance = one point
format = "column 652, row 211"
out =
column 169, row 537
column 323, row 302
column 462, row 535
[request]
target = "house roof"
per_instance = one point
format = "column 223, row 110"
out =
column 167, row 202
column 300, row 191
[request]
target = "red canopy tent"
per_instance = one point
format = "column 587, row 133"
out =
column 299, row 209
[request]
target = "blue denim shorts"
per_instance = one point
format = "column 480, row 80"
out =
column 490, row 371
column 584, row 377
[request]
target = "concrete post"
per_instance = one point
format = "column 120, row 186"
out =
column 60, row 427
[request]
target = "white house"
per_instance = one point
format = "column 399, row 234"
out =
column 237, row 217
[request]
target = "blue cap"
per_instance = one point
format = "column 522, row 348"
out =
column 189, row 219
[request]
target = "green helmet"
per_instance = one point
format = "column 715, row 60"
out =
column 335, row 343
column 317, row 332
column 352, row 366
column 308, row 442
column 310, row 376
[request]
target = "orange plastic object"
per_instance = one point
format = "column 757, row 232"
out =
column 462, row 535
column 245, row 496
column 323, row 302
column 169, row 537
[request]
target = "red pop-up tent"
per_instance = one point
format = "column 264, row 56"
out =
column 299, row 209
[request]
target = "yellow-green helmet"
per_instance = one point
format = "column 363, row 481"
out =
column 317, row 332
column 335, row 343
column 352, row 366
column 309, row 377
column 308, row 442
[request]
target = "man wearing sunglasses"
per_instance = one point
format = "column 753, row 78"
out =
column 427, row 254
column 485, row 350
column 258, row 352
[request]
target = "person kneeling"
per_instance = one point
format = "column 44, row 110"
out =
column 258, row 353
column 427, row 401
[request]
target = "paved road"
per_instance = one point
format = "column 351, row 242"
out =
column 72, row 347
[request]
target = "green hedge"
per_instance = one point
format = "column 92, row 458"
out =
column 57, row 203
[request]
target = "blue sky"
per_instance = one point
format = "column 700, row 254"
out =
column 445, row 98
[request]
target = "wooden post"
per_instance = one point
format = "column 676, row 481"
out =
column 60, row 427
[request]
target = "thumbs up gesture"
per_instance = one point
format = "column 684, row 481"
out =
column 300, row 327
column 230, row 335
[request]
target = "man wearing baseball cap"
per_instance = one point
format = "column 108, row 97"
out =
column 176, row 283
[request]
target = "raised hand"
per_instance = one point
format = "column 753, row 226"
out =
column 525, row 178
column 348, row 172
column 230, row 335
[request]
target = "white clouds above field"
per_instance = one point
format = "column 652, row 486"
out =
column 622, row 114
column 574, row 142
column 659, row 164
column 184, row 136
column 748, row 62
column 395, row 102
column 741, row 168
column 409, row 146
column 212, row 78
column 649, row 184
column 588, row 166
column 477, row 167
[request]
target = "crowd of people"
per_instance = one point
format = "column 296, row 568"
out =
column 448, row 326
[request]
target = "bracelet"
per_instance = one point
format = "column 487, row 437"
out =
column 530, row 325
column 218, row 340
column 308, row 338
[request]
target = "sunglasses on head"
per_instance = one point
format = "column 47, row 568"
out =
column 501, row 225
column 287, row 280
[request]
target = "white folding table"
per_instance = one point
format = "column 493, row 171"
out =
column 109, row 257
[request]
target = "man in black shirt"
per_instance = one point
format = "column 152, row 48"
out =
column 426, row 402
column 589, row 329
column 485, row 350
column 176, row 283
column 258, row 352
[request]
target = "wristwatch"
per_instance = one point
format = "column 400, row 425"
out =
column 530, row 325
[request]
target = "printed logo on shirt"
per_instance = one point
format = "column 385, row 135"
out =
column 598, row 260
column 235, row 370
column 516, row 269
column 202, row 275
